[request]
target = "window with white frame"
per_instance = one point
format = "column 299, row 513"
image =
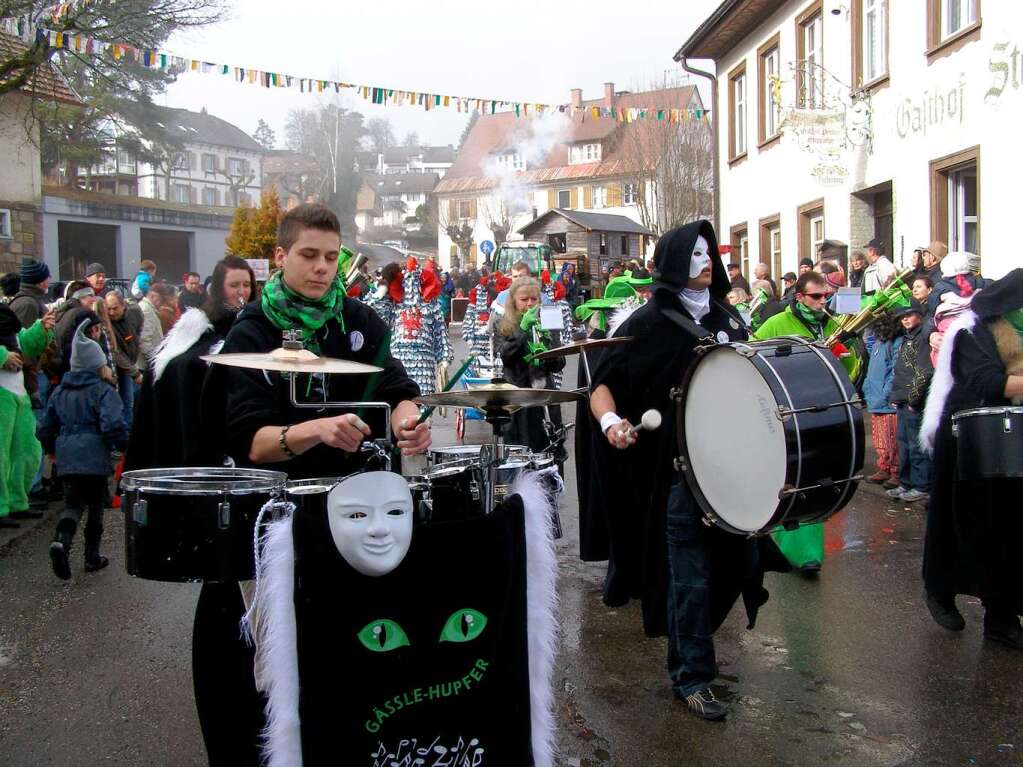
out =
column 182, row 193
column 209, row 163
column 180, row 161
column 237, row 167
column 771, row 70
column 816, row 232
column 739, row 125
column 564, row 198
column 812, row 49
column 582, row 153
column 956, row 15
column 875, row 46
column 775, row 241
column 209, row 196
column 511, row 161
column 465, row 209
column 630, row 193
column 744, row 254
column 599, row 197
column 5, row 224
column 963, row 210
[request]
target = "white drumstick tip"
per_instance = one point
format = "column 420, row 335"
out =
column 651, row 420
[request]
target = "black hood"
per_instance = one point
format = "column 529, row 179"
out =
column 1000, row 297
column 9, row 327
column 673, row 252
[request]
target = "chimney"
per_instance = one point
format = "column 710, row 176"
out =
column 609, row 95
column 577, row 97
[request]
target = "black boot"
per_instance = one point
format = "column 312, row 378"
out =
column 1002, row 626
column 60, row 549
column 944, row 611
column 93, row 559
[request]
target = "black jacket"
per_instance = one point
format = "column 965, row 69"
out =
column 253, row 399
column 527, row 423
column 127, row 335
column 913, row 370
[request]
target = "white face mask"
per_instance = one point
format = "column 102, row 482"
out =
column 700, row 259
column 370, row 517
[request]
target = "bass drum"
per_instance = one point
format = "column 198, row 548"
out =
column 194, row 524
column 771, row 434
column 989, row 443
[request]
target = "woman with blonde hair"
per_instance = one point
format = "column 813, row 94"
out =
column 518, row 339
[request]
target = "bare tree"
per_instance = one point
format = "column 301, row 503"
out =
column 460, row 230
column 379, row 134
column 495, row 212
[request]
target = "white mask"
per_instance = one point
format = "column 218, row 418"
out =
column 700, row 259
column 370, row 517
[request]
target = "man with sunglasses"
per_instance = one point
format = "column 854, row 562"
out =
column 806, row 317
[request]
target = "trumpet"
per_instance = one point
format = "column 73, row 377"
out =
column 761, row 298
column 894, row 294
column 354, row 275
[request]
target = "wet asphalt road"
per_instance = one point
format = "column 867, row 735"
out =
column 844, row 670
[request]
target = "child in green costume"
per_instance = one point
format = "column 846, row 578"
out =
column 20, row 451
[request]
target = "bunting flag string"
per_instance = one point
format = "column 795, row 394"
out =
column 25, row 29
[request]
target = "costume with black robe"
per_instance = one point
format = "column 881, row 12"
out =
column 640, row 376
column 973, row 527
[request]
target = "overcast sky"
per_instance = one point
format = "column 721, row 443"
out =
column 521, row 50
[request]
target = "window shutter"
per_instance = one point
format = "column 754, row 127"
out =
column 573, row 198
column 614, row 195
column 452, row 211
column 191, row 160
column 552, row 199
column 472, row 208
column 588, row 197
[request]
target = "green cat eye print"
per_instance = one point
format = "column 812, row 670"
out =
column 463, row 626
column 383, row 635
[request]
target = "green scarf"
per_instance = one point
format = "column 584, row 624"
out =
column 1015, row 318
column 813, row 318
column 288, row 310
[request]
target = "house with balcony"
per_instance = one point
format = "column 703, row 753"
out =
column 868, row 119
column 500, row 181
column 398, row 195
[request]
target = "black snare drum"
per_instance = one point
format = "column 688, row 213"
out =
column 194, row 524
column 771, row 434
column 456, row 491
column 989, row 443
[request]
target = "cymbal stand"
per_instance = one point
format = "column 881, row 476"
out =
column 499, row 419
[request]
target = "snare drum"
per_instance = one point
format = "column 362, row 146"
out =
column 989, row 443
column 442, row 455
column 770, row 434
column 194, row 524
column 455, row 491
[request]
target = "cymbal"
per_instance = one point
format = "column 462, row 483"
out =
column 577, row 347
column 499, row 396
column 292, row 361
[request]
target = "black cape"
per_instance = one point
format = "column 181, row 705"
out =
column 640, row 376
column 973, row 530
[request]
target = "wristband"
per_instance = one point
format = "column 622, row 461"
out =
column 609, row 419
column 282, row 443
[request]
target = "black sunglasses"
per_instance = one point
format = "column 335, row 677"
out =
column 816, row 296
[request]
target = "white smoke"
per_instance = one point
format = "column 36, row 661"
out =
column 531, row 141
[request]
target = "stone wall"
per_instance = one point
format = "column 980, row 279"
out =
column 26, row 235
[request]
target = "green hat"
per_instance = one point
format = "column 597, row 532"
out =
column 620, row 288
column 586, row 310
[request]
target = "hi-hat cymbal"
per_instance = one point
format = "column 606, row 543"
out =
column 577, row 347
column 292, row 361
column 500, row 396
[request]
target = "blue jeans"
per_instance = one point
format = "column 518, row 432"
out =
column 691, row 661
column 914, row 463
column 126, row 388
column 43, row 381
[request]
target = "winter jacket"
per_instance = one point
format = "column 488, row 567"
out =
column 29, row 342
column 877, row 386
column 29, row 304
column 128, row 335
column 152, row 333
column 83, row 422
column 913, row 371
column 140, row 287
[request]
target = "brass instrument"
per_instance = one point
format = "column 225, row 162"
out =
column 879, row 303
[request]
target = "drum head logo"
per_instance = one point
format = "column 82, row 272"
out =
column 723, row 336
column 356, row 339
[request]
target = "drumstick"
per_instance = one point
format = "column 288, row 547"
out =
column 427, row 412
column 650, row 421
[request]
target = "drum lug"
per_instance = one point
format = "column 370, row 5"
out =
column 783, row 413
column 680, row 464
column 224, row 515
column 1007, row 425
column 746, row 351
column 140, row 513
column 675, row 394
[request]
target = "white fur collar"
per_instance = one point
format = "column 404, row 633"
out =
column 621, row 314
column 186, row 331
column 942, row 382
column 277, row 637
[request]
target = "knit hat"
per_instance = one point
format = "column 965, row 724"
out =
column 86, row 354
column 95, row 268
column 33, row 272
column 10, row 283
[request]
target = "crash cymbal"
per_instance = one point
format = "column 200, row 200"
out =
column 577, row 347
column 292, row 361
column 500, row 396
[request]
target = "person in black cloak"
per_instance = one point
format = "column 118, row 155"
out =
column 177, row 426
column 688, row 574
column 973, row 533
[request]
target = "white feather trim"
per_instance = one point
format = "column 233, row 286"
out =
column 186, row 331
column 621, row 314
column 541, row 613
column 277, row 646
column 941, row 383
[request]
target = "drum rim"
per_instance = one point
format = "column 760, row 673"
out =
column 976, row 411
column 226, row 481
column 327, row 483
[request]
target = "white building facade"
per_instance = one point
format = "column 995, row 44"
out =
column 865, row 120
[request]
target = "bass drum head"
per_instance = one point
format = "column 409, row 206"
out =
column 735, row 442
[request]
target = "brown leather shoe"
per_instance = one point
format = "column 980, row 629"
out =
column 878, row 477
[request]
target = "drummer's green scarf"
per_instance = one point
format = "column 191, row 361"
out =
column 1015, row 318
column 812, row 318
column 288, row 310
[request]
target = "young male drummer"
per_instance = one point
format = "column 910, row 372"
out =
column 307, row 295
column 687, row 573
